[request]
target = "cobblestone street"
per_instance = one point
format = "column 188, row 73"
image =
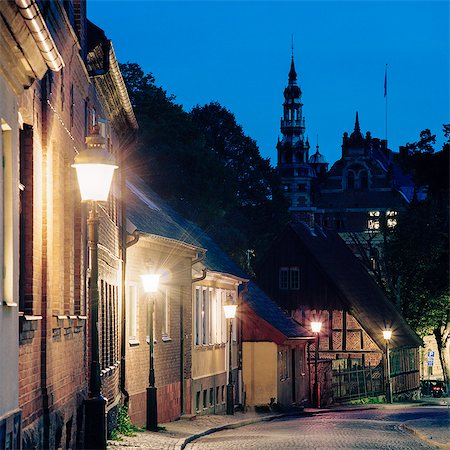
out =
column 388, row 427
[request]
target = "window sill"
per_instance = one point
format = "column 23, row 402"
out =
column 8, row 304
column 147, row 339
column 166, row 338
column 30, row 317
column 133, row 342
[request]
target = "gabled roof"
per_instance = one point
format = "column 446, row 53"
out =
column 359, row 291
column 268, row 310
column 152, row 215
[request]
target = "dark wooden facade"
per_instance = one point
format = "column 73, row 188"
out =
column 312, row 274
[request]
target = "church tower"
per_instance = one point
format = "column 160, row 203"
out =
column 293, row 150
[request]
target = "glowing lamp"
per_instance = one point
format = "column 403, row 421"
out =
column 387, row 334
column 150, row 282
column 229, row 309
column 95, row 169
column 316, row 327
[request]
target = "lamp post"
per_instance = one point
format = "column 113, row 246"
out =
column 387, row 334
column 316, row 327
column 229, row 309
column 95, row 169
column 150, row 283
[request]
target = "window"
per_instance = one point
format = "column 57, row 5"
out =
column 283, row 365
column 289, row 278
column 210, row 325
column 211, row 396
column 166, row 315
column 205, row 394
column 301, row 187
column 391, row 218
column 26, row 222
column 198, row 316
column 284, row 277
column 132, row 312
column 197, row 402
column 217, row 395
column 294, row 273
column 373, row 223
column 205, row 316
column 363, row 180
column 351, row 180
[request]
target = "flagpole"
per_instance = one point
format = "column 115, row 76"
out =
column 386, row 98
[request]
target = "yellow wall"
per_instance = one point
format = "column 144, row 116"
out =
column 259, row 368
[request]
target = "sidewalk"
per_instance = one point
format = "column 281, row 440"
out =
column 176, row 435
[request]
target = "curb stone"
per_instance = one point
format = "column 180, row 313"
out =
column 424, row 437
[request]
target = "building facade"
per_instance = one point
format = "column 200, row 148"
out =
column 53, row 97
column 312, row 274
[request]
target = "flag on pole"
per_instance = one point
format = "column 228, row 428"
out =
column 385, row 81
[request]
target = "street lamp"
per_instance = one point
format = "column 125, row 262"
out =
column 387, row 334
column 151, row 283
column 229, row 309
column 95, row 169
column 316, row 327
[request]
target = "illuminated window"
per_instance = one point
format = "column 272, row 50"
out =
column 373, row 222
column 391, row 218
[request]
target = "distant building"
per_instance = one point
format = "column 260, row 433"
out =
column 360, row 194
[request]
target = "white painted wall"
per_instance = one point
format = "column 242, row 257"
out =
column 9, row 249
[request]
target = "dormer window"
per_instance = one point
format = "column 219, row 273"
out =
column 357, row 178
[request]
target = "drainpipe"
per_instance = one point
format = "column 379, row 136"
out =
column 239, row 343
column 30, row 12
column 182, row 339
column 124, row 246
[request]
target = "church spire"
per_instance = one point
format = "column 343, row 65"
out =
column 357, row 128
column 292, row 72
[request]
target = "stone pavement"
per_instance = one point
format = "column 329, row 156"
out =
column 176, row 435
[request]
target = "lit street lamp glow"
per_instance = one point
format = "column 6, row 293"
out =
column 387, row 334
column 95, row 168
column 150, row 282
column 229, row 309
column 315, row 328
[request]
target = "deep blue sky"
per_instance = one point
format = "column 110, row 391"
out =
column 238, row 53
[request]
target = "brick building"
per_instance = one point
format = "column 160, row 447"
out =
column 191, row 373
column 157, row 246
column 22, row 61
column 68, row 93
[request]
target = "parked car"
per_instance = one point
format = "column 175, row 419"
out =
column 435, row 388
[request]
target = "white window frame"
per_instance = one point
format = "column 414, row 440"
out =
column 132, row 311
column 205, row 316
column 165, row 330
column 283, row 283
column 198, row 316
column 292, row 271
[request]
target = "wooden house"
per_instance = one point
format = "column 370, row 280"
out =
column 313, row 274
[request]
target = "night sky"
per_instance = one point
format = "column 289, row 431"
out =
column 238, row 53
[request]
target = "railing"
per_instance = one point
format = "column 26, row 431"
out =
column 357, row 382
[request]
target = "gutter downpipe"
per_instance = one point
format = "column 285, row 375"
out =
column 182, row 340
column 30, row 12
column 125, row 245
column 240, row 350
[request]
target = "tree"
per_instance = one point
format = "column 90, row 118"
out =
column 260, row 209
column 417, row 252
column 204, row 165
